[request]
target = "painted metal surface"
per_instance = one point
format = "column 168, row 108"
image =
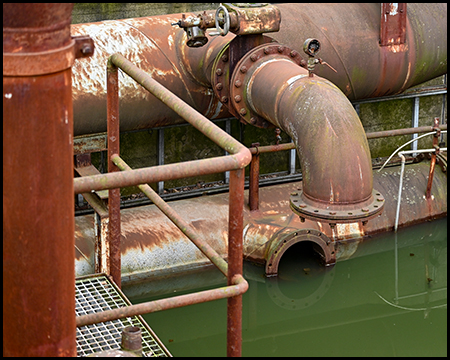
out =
column 38, row 201
column 152, row 246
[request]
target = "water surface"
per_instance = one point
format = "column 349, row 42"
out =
column 388, row 299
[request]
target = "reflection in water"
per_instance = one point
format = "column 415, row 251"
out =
column 388, row 299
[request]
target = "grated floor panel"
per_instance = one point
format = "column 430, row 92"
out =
column 97, row 293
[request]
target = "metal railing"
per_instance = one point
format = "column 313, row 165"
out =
column 120, row 175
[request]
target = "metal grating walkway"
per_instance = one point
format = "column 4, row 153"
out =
column 96, row 293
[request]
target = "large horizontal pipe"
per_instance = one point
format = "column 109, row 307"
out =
column 148, row 246
column 349, row 34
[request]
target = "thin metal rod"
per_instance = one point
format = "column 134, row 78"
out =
column 185, row 227
column 405, row 152
column 401, row 178
column 415, row 121
column 235, row 258
column 239, row 286
column 407, row 131
column 399, row 191
column 114, row 194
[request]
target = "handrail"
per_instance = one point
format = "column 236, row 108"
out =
column 187, row 229
column 240, row 286
column 239, row 158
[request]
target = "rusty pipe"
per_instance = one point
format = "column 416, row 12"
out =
column 38, row 202
column 350, row 42
column 239, row 286
column 329, row 137
column 239, row 158
column 349, row 34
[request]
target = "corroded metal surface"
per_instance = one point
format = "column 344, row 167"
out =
column 239, row 156
column 350, row 33
column 155, row 47
column 278, row 246
column 152, row 245
column 321, row 121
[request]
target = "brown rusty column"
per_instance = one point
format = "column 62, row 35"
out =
column 38, row 201
column 113, row 149
column 235, row 257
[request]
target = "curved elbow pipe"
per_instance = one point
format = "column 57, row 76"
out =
column 329, row 137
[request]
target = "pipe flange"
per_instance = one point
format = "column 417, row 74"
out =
column 238, row 83
column 307, row 208
column 278, row 247
column 221, row 73
column 221, row 78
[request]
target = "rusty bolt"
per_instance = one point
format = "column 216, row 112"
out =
column 243, row 111
column 219, row 86
column 237, row 98
column 365, row 210
column 280, row 49
column 332, row 212
column 219, row 72
column 380, row 199
column 224, row 58
column 253, row 120
column 238, row 83
column 294, row 194
column 86, row 49
column 243, row 69
column 266, row 50
column 302, row 63
column 303, row 206
column 254, row 57
column 224, row 99
column 293, row 53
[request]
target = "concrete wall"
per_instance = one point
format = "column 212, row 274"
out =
column 183, row 143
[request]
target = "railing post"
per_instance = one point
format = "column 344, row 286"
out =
column 235, row 258
column 253, row 183
column 433, row 157
column 113, row 148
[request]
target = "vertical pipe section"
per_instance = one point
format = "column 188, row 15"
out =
column 38, row 201
column 113, row 149
column 235, row 257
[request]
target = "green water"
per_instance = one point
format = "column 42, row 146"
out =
column 388, row 299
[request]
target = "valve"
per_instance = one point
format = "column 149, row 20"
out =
column 311, row 47
column 225, row 20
